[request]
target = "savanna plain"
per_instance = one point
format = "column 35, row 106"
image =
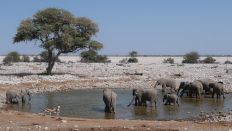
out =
column 70, row 74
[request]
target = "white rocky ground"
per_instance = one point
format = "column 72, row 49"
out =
column 114, row 74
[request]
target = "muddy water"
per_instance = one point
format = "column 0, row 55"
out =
column 89, row 104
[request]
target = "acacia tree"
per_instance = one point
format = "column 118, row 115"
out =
column 57, row 31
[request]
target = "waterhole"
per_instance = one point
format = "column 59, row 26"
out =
column 88, row 103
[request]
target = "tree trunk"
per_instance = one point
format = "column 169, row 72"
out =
column 51, row 62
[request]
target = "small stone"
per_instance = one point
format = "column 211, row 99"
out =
column 76, row 126
column 45, row 128
column 64, row 121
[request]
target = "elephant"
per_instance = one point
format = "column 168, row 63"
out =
column 191, row 88
column 166, row 82
column 141, row 96
column 205, row 83
column 184, row 88
column 18, row 96
column 196, row 88
column 171, row 98
column 218, row 89
column 109, row 98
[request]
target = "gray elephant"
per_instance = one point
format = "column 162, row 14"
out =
column 141, row 96
column 196, row 88
column 171, row 98
column 205, row 83
column 183, row 88
column 191, row 88
column 218, row 89
column 109, row 98
column 18, row 96
column 166, row 82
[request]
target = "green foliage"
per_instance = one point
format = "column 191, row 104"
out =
column 91, row 56
column 11, row 57
column 132, row 60
column 169, row 60
column 25, row 58
column 228, row 62
column 191, row 57
column 133, row 54
column 58, row 31
column 209, row 60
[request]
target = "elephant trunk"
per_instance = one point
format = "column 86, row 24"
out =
column 131, row 101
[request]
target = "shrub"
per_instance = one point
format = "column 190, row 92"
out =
column 124, row 60
column 208, row 60
column 133, row 54
column 132, row 60
column 92, row 56
column 228, row 62
column 191, row 57
column 11, row 57
column 25, row 58
column 169, row 60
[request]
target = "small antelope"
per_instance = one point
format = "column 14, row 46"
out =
column 55, row 110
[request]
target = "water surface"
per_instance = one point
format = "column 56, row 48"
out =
column 88, row 103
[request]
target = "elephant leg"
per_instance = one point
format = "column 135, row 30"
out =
column 223, row 95
column 177, row 101
column 163, row 87
column 213, row 94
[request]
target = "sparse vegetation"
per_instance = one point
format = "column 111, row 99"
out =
column 91, row 55
column 169, row 60
column 133, row 55
column 191, row 57
column 228, row 62
column 12, row 57
column 208, row 60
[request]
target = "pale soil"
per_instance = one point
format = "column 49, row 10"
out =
column 113, row 75
column 19, row 121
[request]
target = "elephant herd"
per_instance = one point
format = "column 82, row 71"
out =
column 18, row 96
column 171, row 93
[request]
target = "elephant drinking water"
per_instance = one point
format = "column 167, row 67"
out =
column 18, row 96
column 141, row 96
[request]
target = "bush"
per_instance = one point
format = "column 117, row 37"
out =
column 228, row 62
column 132, row 60
column 169, row 60
column 25, row 58
column 191, row 57
column 124, row 60
column 208, row 60
column 11, row 57
column 92, row 56
column 133, row 54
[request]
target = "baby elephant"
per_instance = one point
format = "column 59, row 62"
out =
column 109, row 98
column 171, row 98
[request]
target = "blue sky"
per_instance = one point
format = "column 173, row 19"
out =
column 150, row 27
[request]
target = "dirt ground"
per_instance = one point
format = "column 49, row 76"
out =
column 21, row 121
